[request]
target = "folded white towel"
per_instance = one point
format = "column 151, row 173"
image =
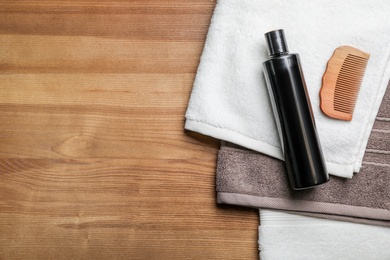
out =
column 229, row 100
column 286, row 236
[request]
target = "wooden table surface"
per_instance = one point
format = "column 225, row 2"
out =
column 94, row 159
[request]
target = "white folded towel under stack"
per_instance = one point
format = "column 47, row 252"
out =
column 286, row 236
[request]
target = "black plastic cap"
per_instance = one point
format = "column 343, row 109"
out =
column 276, row 42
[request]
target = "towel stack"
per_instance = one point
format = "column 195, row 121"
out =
column 229, row 101
column 252, row 179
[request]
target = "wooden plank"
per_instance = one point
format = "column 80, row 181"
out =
column 94, row 159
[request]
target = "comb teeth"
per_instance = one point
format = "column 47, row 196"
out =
column 348, row 83
column 341, row 82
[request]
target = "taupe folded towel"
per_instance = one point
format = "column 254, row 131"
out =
column 248, row 178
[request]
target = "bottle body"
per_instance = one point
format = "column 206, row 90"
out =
column 296, row 126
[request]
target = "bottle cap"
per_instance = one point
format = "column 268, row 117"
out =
column 276, row 42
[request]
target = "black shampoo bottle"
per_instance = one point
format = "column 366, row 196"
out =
column 294, row 118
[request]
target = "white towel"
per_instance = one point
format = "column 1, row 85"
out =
column 229, row 100
column 286, row 236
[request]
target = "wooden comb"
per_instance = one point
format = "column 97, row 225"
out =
column 341, row 82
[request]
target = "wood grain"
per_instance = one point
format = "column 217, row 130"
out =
column 94, row 160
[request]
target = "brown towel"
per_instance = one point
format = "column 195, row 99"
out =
column 248, row 178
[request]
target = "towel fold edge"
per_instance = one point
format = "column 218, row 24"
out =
column 384, row 83
column 272, row 217
column 357, row 214
column 340, row 170
column 233, row 137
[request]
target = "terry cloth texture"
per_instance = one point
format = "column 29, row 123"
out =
column 281, row 237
